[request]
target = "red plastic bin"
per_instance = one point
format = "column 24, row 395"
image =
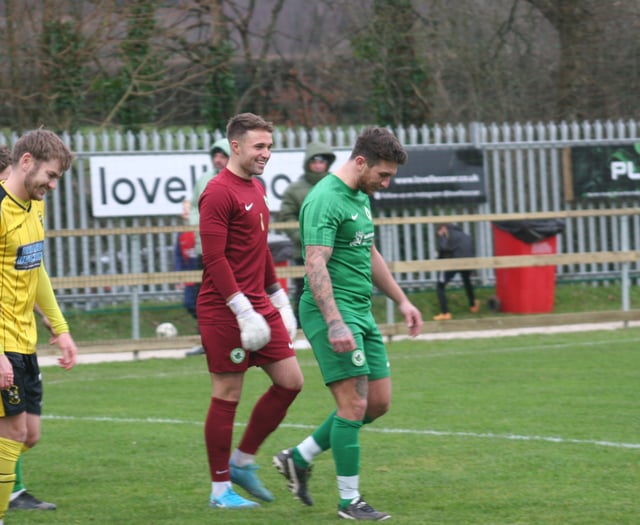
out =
column 526, row 290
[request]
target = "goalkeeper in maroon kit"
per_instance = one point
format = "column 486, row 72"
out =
column 244, row 316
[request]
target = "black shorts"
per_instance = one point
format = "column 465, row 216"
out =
column 25, row 395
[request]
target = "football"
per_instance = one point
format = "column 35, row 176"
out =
column 166, row 330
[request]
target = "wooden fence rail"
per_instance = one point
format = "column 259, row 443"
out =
column 427, row 265
column 141, row 279
column 625, row 257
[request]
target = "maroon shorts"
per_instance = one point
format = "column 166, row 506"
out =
column 224, row 350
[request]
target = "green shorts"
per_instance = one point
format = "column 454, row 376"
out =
column 368, row 359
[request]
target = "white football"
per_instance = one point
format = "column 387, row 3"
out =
column 166, row 330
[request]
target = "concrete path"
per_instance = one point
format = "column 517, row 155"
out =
column 302, row 344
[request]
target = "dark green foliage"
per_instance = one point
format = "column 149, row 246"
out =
column 399, row 80
column 141, row 68
column 219, row 102
column 64, row 72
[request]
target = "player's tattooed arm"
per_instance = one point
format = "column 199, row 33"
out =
column 321, row 287
column 320, row 284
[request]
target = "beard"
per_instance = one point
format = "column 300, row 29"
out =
column 34, row 190
column 368, row 187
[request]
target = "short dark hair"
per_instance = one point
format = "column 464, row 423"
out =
column 377, row 144
column 240, row 124
column 43, row 145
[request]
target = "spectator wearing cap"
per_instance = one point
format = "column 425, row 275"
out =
column 188, row 247
column 318, row 159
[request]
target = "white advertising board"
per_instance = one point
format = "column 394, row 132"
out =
column 157, row 183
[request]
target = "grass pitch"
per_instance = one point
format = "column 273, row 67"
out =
column 527, row 430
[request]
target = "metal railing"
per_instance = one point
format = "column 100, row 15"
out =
column 523, row 168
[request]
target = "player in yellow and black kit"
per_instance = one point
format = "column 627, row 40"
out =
column 39, row 158
column 20, row 497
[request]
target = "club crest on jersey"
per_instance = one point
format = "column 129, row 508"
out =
column 237, row 355
column 357, row 358
column 13, row 393
column 367, row 212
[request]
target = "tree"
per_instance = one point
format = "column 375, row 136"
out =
column 142, row 68
column 63, row 72
column 71, row 63
column 219, row 96
column 399, row 80
column 254, row 44
column 579, row 31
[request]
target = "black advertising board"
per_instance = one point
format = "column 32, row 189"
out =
column 454, row 176
column 606, row 171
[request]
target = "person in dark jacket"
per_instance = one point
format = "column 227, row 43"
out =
column 454, row 243
column 318, row 159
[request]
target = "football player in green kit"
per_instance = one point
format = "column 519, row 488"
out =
column 342, row 266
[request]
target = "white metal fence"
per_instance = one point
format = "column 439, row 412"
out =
column 523, row 165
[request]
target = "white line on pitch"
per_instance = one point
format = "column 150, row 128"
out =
column 484, row 435
column 416, row 353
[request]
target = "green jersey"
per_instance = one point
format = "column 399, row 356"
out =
column 335, row 215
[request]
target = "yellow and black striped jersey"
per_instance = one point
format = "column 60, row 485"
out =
column 21, row 262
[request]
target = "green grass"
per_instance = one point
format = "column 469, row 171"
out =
column 115, row 323
column 527, row 430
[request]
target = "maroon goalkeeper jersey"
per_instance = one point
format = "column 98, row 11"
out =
column 234, row 223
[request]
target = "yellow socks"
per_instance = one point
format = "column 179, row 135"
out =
column 9, row 454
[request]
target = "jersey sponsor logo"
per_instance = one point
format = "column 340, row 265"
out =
column 29, row 256
column 358, row 239
column 361, row 238
column 357, row 358
column 248, row 206
column 237, row 355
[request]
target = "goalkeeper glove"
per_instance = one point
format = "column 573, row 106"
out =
column 254, row 330
column 280, row 300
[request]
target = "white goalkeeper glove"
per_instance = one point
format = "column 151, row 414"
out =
column 280, row 300
column 254, row 330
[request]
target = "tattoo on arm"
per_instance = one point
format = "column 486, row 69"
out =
column 320, row 281
column 338, row 330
